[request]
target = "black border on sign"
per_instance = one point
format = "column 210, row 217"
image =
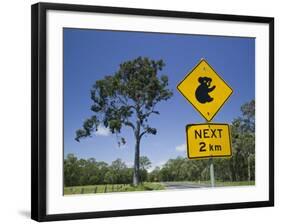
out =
column 39, row 106
column 218, row 76
column 207, row 157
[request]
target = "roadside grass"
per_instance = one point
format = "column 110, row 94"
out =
column 93, row 189
column 236, row 183
column 146, row 186
column 217, row 183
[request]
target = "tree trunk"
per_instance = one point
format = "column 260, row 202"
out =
column 232, row 174
column 136, row 176
column 249, row 168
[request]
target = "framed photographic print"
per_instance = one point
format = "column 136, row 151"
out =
column 139, row 111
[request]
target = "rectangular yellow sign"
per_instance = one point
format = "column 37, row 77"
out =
column 208, row 140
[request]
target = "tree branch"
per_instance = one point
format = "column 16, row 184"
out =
column 122, row 101
column 127, row 123
column 143, row 133
column 151, row 112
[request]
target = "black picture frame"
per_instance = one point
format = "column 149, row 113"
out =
column 39, row 114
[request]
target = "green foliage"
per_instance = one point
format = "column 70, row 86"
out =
column 128, row 98
column 71, row 170
column 81, row 172
column 145, row 164
column 242, row 163
column 180, row 169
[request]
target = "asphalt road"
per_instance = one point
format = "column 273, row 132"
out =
column 171, row 185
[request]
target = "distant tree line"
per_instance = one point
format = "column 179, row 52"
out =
column 240, row 167
column 81, row 172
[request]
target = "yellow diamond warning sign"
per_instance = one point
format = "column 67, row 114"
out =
column 208, row 140
column 205, row 90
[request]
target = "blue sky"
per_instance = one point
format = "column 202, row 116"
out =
column 89, row 55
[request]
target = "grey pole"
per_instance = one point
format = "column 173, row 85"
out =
column 212, row 172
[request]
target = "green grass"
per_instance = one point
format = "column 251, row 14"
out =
column 227, row 183
column 236, row 183
column 93, row 189
column 219, row 183
column 146, row 186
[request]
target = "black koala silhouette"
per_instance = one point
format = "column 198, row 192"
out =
column 202, row 91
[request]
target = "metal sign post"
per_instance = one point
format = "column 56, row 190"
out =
column 212, row 172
